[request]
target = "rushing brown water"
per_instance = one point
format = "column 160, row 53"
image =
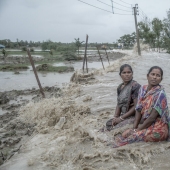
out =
column 67, row 127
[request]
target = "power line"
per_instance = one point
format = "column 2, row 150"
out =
column 140, row 17
column 95, row 6
column 145, row 16
column 114, row 7
column 101, row 8
column 142, row 11
column 120, row 4
column 125, row 2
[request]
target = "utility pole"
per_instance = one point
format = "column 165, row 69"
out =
column 137, row 33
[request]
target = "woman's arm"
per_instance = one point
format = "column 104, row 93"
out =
column 131, row 110
column 137, row 119
column 117, row 111
column 148, row 122
column 116, row 118
column 126, row 115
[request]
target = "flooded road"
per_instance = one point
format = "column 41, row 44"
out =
column 73, row 142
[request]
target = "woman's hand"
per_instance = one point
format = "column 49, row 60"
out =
column 127, row 133
column 116, row 120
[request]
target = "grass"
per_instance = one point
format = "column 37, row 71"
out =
column 13, row 67
column 57, row 55
column 51, row 68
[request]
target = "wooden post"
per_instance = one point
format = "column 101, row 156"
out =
column 100, row 57
column 107, row 56
column 85, row 55
column 35, row 73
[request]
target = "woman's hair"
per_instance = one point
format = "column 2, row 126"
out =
column 124, row 66
column 156, row 67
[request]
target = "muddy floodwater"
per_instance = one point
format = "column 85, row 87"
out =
column 67, row 135
column 26, row 79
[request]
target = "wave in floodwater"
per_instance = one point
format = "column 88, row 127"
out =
column 68, row 136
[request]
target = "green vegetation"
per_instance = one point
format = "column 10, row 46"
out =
column 4, row 52
column 51, row 68
column 13, row 67
column 78, row 44
column 67, row 55
column 128, row 40
column 156, row 33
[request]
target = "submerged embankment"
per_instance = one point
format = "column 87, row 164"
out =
column 67, row 133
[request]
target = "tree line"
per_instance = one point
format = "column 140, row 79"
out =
column 156, row 33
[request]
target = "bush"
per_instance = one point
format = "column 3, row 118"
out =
column 31, row 49
column 24, row 48
column 68, row 55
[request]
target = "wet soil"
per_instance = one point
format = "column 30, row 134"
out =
column 12, row 130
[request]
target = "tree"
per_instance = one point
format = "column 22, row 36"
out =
column 144, row 29
column 166, row 34
column 157, row 28
column 152, row 39
column 78, row 44
column 127, row 39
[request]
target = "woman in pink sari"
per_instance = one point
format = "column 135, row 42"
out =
column 152, row 121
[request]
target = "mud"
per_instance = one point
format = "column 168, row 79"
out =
column 14, row 131
column 66, row 129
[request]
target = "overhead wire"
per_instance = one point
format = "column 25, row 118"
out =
column 102, row 9
column 95, row 6
column 120, row 4
column 125, row 2
column 145, row 16
column 114, row 7
column 142, row 11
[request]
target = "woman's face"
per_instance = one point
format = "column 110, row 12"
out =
column 154, row 77
column 126, row 75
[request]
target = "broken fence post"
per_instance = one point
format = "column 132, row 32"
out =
column 35, row 73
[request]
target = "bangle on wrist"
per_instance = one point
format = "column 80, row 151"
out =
column 121, row 118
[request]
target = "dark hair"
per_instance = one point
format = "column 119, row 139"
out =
column 124, row 66
column 156, row 67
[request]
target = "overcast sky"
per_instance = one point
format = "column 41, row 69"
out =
column 64, row 20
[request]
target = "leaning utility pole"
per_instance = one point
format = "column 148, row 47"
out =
column 137, row 33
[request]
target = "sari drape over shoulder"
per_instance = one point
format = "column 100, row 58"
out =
column 155, row 98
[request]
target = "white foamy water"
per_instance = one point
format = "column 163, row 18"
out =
column 78, row 145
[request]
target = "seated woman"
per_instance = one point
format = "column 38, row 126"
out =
column 152, row 121
column 127, row 93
